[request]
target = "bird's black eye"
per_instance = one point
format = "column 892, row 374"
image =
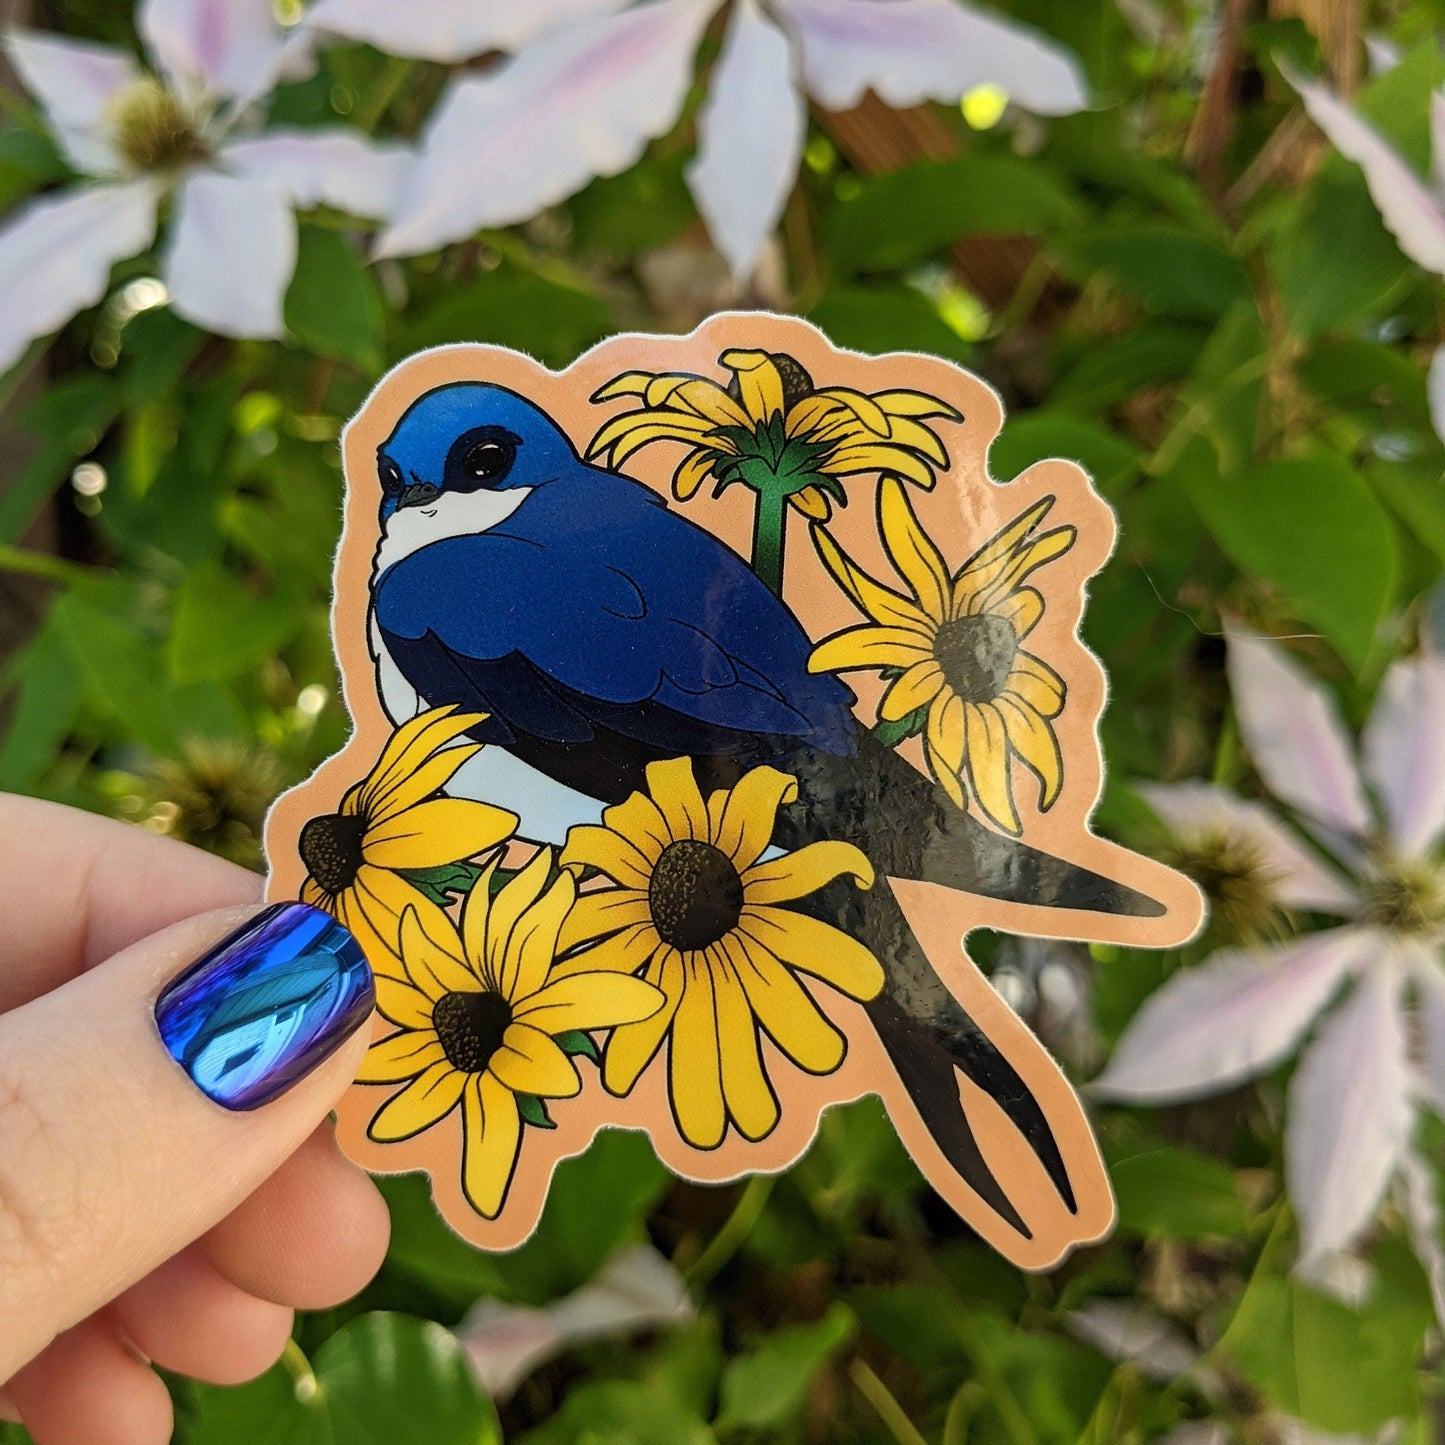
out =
column 487, row 461
column 391, row 478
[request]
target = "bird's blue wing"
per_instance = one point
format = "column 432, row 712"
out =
column 599, row 608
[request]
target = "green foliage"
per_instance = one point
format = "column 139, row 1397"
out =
column 1235, row 349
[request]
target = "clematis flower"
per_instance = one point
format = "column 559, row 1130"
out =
column 591, row 82
column 1377, row 978
column 179, row 133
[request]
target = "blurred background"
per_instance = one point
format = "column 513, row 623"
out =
column 1123, row 216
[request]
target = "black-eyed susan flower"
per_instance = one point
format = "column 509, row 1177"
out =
column 953, row 645
column 700, row 912
column 486, row 1022
column 393, row 822
column 770, row 428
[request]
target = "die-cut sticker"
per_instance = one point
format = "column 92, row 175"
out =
column 706, row 695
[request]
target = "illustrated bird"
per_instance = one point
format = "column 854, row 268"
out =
column 600, row 630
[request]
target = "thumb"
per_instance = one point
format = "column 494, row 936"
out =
column 143, row 1100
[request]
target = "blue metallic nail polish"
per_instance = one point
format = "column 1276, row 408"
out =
column 266, row 1005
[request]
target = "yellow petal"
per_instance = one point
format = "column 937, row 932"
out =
column 759, row 382
column 1020, row 564
column 693, row 472
column 881, row 603
column 694, row 1068
column 640, row 820
column 674, row 789
column 749, row 1096
column 869, row 647
column 795, row 875
column 882, row 457
column 627, row 434
column 600, row 912
column 533, row 944
column 1037, row 684
column 750, row 812
column 1034, row 741
column 809, row 413
column 431, row 775
column 434, row 964
column 590, row 1001
column 429, row 1097
column 624, row 952
column 910, row 434
column 915, row 404
column 1023, row 609
column 508, row 908
column 401, row 1004
column 787, row 1011
column 918, row 686
column 591, row 846
column 427, row 835
column 913, row 553
column 817, row 948
column 491, row 1142
column 528, row 1062
column 629, row 383
column 408, row 747
column 400, row 1056
column 987, row 753
column 709, row 400
column 812, row 503
column 376, row 900
column 632, row 1047
column 861, row 405
column 944, row 735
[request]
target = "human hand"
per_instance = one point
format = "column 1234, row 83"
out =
column 141, row 1220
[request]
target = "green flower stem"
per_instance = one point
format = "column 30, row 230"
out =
column 768, row 523
column 729, row 1239
column 887, row 1408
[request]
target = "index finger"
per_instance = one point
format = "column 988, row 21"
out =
column 76, row 888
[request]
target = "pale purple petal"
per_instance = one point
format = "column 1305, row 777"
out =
column 232, row 253
column 1235, row 1015
column 75, row 81
column 1428, row 971
column 333, row 167
column 638, row 1289
column 1437, row 145
column 1197, row 812
column 56, row 254
column 1419, row 1196
column 581, row 102
column 1405, row 752
column 1350, row 1112
column 1339, row 1273
column 1132, row 1333
column 750, row 138
column 909, row 51
column 1407, row 205
column 451, row 30
column 231, row 49
column 1293, row 732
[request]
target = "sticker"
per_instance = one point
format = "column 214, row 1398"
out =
column 706, row 695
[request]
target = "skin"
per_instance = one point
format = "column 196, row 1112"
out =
column 140, row 1223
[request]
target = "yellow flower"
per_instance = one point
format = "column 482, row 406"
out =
column 484, row 1020
column 697, row 909
column 955, row 643
column 771, row 428
column 392, row 820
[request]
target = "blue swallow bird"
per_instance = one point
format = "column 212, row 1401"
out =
column 601, row 631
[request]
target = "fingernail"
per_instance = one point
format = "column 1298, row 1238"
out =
column 266, row 1005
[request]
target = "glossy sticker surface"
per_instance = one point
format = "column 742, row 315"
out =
column 706, row 695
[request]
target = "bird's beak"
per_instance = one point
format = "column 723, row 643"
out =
column 418, row 494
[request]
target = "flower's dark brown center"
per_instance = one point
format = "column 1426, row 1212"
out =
column 470, row 1027
column 153, row 130
column 330, row 847
column 695, row 894
column 1407, row 897
column 976, row 655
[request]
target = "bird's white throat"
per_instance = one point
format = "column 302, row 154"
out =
column 453, row 514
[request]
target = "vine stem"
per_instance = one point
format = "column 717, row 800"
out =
column 769, row 522
column 892, row 1414
column 729, row 1238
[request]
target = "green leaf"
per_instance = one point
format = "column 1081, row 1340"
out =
column 48, row 687
column 221, row 627
column 333, row 306
column 578, row 1041
column 942, row 201
column 444, row 882
column 1035, row 436
column 1173, row 272
column 1178, row 1194
column 1313, row 526
column 769, row 1385
column 887, row 319
column 1336, row 1368
column 890, row 734
column 621, row 1412
column 382, row 1379
column 534, row 1112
